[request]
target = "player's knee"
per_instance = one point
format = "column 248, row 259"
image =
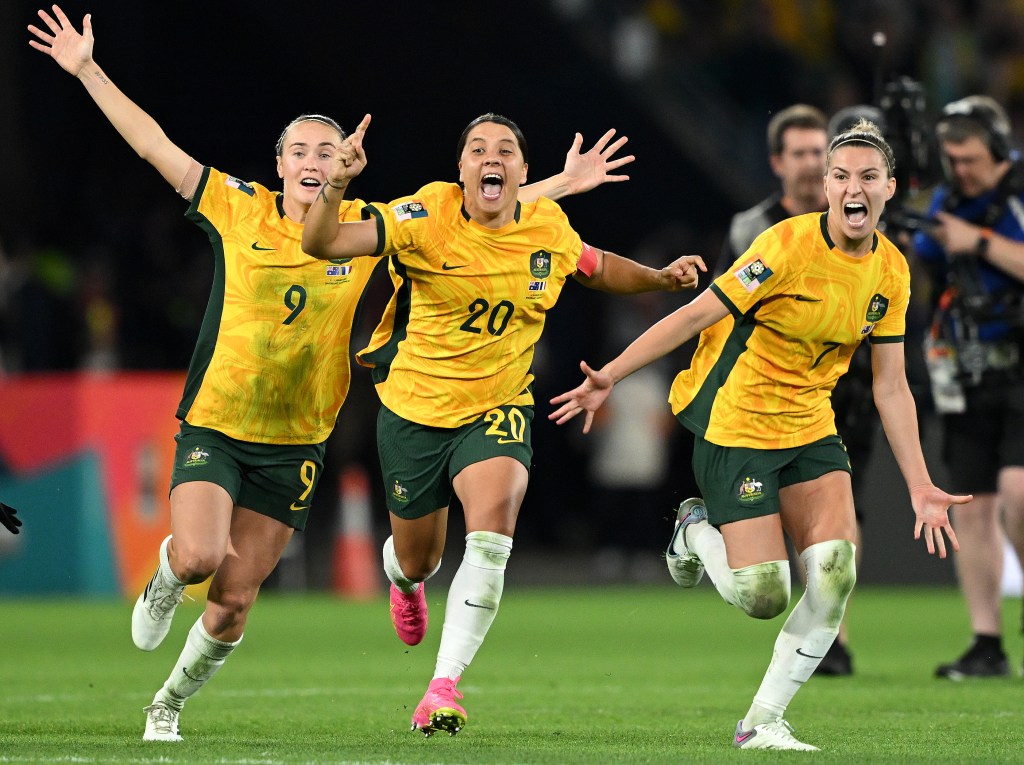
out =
column 762, row 590
column 229, row 609
column 420, row 569
column 831, row 570
column 193, row 563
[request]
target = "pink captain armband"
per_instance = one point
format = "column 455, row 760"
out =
column 588, row 260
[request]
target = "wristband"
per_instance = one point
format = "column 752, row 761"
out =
column 336, row 188
column 984, row 238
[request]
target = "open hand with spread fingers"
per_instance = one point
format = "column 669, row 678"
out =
column 63, row 43
column 584, row 172
column 931, row 506
column 587, row 397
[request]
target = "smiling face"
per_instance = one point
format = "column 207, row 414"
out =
column 857, row 185
column 492, row 169
column 305, row 156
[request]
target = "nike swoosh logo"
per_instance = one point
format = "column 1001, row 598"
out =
column 808, row 655
column 741, row 738
column 446, row 267
column 300, row 507
column 256, row 246
column 806, row 299
column 477, row 605
column 193, row 679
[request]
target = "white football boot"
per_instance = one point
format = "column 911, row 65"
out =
column 154, row 610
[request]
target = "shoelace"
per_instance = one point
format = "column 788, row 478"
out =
column 161, row 604
column 408, row 611
column 786, row 730
column 449, row 686
column 164, row 719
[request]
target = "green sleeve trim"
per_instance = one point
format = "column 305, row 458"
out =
column 192, row 213
column 886, row 339
column 725, row 299
column 371, row 211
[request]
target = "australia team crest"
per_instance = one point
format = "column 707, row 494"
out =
column 196, row 458
column 877, row 308
column 750, row 490
column 540, row 264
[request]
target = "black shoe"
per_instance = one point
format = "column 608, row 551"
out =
column 837, row 661
column 977, row 662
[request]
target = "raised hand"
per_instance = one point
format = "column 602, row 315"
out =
column 584, row 172
column 9, row 518
column 931, row 506
column 683, row 273
column 587, row 397
column 65, row 46
column 350, row 159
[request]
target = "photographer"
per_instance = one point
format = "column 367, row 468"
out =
column 974, row 247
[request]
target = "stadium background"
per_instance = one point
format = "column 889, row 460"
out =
column 102, row 280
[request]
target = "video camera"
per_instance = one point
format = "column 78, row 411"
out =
column 908, row 130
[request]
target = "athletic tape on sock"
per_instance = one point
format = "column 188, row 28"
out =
column 487, row 549
column 393, row 569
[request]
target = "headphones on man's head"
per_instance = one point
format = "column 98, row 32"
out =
column 989, row 115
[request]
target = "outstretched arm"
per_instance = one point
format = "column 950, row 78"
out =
column 73, row 52
column 582, row 172
column 622, row 276
column 323, row 235
column 895, row 404
column 660, row 340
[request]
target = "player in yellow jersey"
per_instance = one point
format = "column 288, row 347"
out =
column 776, row 332
column 269, row 373
column 476, row 270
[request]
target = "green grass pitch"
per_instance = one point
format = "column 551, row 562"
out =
column 624, row 675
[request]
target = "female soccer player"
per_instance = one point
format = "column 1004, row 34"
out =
column 475, row 271
column 269, row 373
column 776, row 333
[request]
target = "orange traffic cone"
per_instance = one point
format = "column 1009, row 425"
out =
column 356, row 563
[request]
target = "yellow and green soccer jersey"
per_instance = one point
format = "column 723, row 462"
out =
column 271, row 364
column 762, row 377
column 458, row 335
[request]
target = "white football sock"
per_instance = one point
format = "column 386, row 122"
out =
column 165, row 567
column 809, row 630
column 760, row 590
column 201, row 657
column 472, row 601
column 394, row 569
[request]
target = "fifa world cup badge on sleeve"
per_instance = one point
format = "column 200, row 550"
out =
column 753, row 275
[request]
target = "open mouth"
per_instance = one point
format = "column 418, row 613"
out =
column 491, row 186
column 310, row 183
column 855, row 213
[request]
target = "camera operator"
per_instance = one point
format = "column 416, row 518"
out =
column 974, row 248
